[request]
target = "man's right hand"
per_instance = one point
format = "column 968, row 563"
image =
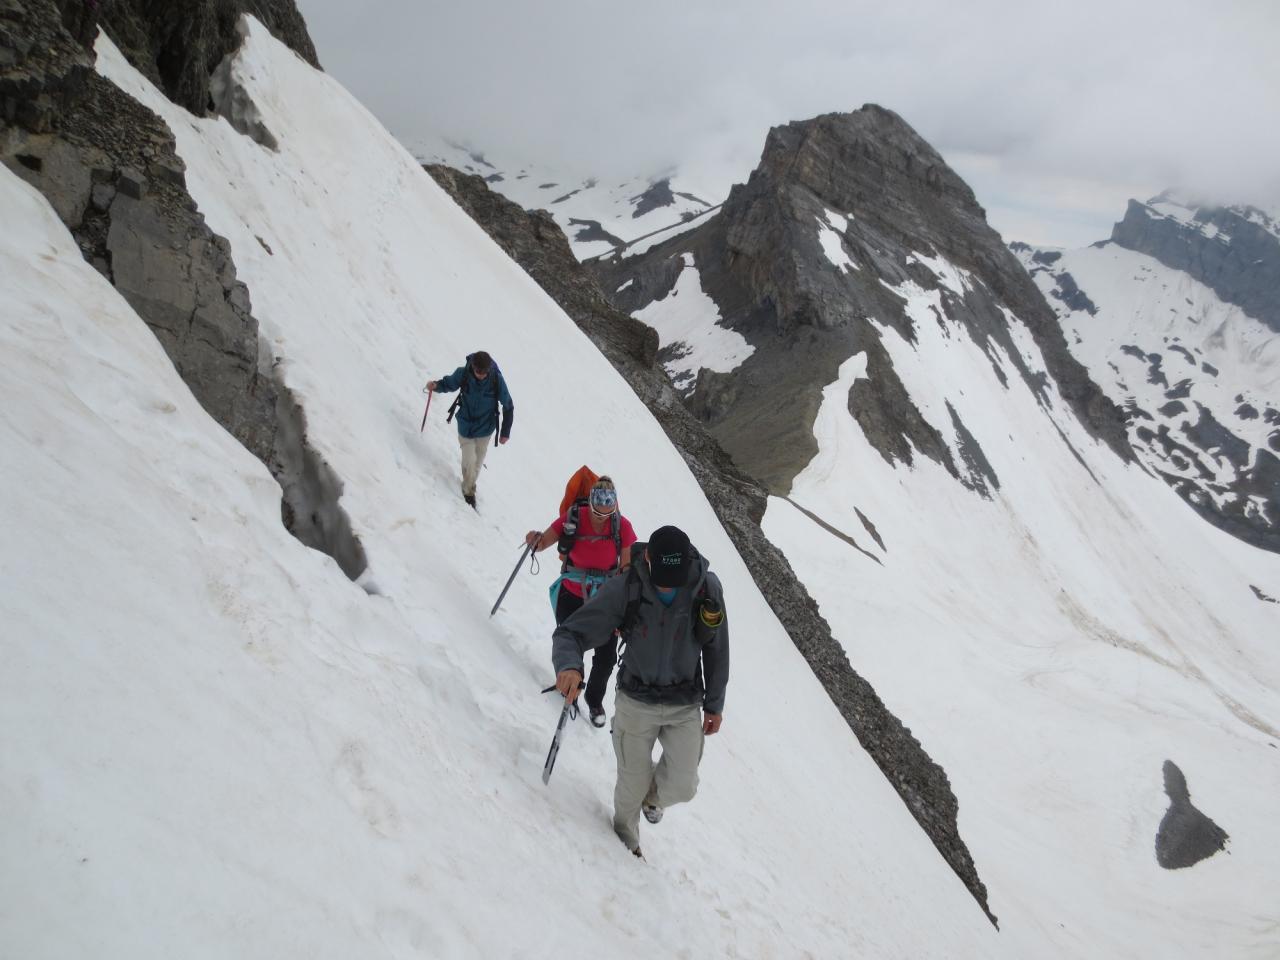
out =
column 532, row 537
column 568, row 683
column 431, row 386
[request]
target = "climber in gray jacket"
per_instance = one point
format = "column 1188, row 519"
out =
column 672, row 672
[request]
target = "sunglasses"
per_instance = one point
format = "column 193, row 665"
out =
column 604, row 498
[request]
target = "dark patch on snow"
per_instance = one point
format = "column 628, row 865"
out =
column 1263, row 596
column 980, row 470
column 1208, row 434
column 1135, row 412
column 871, row 529
column 564, row 197
column 1273, row 441
column 1170, row 446
column 1046, row 257
column 658, row 195
column 1247, row 411
column 1173, row 408
column 1179, row 391
column 1271, row 415
column 264, row 245
column 1209, row 368
column 494, row 178
column 838, row 534
column 1070, row 294
column 1154, row 373
column 310, row 507
column 1185, row 352
column 590, row 230
column 1076, row 453
column 1132, row 351
column 1186, row 836
column 547, row 186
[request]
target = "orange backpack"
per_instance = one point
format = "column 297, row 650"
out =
column 578, row 488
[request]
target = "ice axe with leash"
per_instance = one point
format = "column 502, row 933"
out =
column 533, row 568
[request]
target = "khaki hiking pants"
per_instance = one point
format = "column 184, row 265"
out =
column 473, row 451
column 673, row 779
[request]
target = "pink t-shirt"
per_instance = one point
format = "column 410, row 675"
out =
column 589, row 553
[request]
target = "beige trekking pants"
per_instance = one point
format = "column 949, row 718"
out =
column 674, row 779
column 473, row 451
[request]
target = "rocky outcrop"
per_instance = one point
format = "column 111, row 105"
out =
column 1228, row 249
column 109, row 167
column 762, row 262
column 533, row 240
column 178, row 46
column 1185, row 836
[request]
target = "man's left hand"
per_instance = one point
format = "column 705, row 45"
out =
column 711, row 723
column 503, row 439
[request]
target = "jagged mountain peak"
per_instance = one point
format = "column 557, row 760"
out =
column 822, row 153
column 846, row 219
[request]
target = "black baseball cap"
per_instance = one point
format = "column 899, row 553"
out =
column 669, row 557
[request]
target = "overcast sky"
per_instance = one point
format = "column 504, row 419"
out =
column 1055, row 113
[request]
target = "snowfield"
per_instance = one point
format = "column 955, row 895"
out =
column 688, row 321
column 218, row 746
column 1053, row 646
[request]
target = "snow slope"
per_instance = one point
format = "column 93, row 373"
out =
column 1053, row 646
column 688, row 325
column 216, row 745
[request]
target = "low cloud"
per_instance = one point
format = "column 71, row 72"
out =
column 1056, row 114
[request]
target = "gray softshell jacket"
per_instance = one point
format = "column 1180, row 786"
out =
column 669, row 656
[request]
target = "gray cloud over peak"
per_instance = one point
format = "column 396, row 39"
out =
column 1056, row 113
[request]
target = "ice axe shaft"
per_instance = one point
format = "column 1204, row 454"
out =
column 429, row 394
column 527, row 548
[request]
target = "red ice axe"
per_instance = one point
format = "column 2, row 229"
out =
column 426, row 411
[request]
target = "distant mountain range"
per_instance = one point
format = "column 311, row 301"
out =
column 1178, row 317
column 596, row 215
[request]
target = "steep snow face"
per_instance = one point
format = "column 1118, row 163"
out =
column 690, row 332
column 1200, row 379
column 216, row 745
column 597, row 217
column 1055, row 645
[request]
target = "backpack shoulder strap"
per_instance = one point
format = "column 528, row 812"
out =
column 632, row 611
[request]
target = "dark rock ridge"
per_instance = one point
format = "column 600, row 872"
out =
column 108, row 166
column 1186, row 836
column 1225, row 248
column 534, row 241
column 761, row 261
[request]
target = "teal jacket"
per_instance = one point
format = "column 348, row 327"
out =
column 478, row 410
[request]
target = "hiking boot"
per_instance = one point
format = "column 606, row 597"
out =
column 652, row 812
column 597, row 715
column 470, row 498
